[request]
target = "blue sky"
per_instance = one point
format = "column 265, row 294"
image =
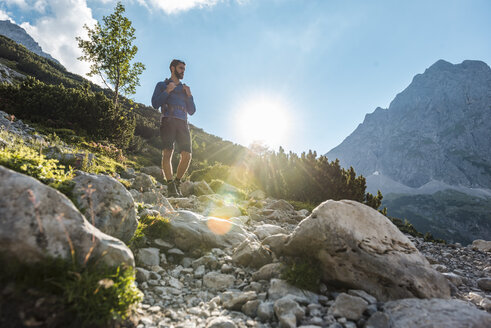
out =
column 302, row 74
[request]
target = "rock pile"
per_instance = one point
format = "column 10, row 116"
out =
column 228, row 270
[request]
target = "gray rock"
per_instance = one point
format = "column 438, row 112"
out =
column 367, row 251
column 250, row 308
column 484, row 284
column 276, row 242
column 269, row 271
column 154, row 171
column 38, row 220
column 187, row 188
column 199, row 272
column 251, row 253
column 107, row 204
column 282, row 205
column 148, row 256
column 202, row 188
column 257, row 194
column 143, row 182
column 221, row 322
column 288, row 312
column 482, row 245
column 454, row 278
column 435, row 313
column 265, row 311
column 280, row 288
column 349, row 307
column 191, row 231
column 266, row 230
column 235, row 300
column 361, row 293
column 378, row 320
column 218, row 281
column 142, row 275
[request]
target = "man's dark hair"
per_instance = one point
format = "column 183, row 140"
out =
column 175, row 62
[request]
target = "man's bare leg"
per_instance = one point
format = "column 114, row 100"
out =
column 166, row 164
column 183, row 166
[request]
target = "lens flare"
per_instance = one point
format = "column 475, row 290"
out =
column 219, row 226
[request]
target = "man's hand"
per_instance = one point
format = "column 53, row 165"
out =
column 187, row 90
column 170, row 87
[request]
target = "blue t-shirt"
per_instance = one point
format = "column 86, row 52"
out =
column 175, row 104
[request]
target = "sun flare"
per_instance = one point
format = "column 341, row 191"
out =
column 263, row 119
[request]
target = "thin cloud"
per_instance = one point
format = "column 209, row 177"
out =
column 5, row 16
column 176, row 6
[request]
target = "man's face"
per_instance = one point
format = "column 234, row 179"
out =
column 179, row 71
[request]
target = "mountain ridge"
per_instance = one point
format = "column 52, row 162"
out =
column 436, row 129
column 19, row 35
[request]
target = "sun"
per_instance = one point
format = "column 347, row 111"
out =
column 264, row 119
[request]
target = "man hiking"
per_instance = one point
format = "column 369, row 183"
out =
column 176, row 102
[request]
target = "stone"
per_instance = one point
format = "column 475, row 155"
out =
column 162, row 244
column 202, row 188
column 280, row 288
column 485, row 304
column 265, row 311
column 378, row 320
column 148, row 256
column 107, row 204
column 235, row 300
column 288, row 312
column 276, row 243
column 250, row 308
column 269, row 271
column 221, row 322
column 129, row 173
column 142, row 275
column 482, row 245
column 282, row 205
column 266, row 230
column 199, row 272
column 364, row 250
column 219, row 281
column 361, row 293
column 154, row 171
column 434, row 313
column 454, row 278
column 484, row 284
column 187, row 188
column 38, row 222
column 191, row 231
column 348, row 306
column 251, row 253
column 143, row 182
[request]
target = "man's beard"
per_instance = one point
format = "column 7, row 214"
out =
column 180, row 76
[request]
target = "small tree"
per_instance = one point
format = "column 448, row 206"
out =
column 110, row 51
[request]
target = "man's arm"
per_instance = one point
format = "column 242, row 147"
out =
column 190, row 107
column 160, row 95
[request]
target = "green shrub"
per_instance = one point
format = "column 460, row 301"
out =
column 152, row 227
column 90, row 296
column 78, row 109
column 303, row 273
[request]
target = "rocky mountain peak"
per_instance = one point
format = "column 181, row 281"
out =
column 437, row 129
column 19, row 35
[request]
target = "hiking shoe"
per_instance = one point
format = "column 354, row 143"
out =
column 178, row 187
column 172, row 189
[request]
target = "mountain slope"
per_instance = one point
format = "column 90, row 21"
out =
column 19, row 35
column 438, row 128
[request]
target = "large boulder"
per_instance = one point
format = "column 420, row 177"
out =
column 191, row 231
column 434, row 313
column 38, row 222
column 106, row 203
column 360, row 248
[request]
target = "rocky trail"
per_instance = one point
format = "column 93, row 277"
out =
column 223, row 259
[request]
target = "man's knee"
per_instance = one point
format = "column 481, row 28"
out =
column 186, row 156
column 167, row 153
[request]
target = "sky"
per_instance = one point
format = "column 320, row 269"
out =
column 297, row 73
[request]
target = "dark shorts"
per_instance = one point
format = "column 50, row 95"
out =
column 174, row 130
